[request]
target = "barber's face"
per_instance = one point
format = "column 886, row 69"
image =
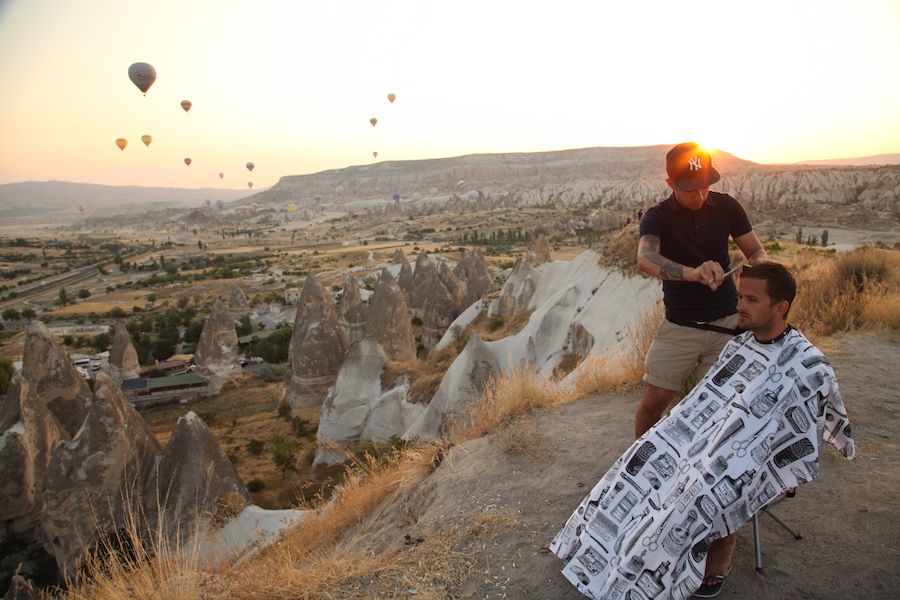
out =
column 691, row 200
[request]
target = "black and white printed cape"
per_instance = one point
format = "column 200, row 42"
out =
column 752, row 428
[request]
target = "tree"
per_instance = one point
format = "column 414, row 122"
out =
column 10, row 314
column 284, row 453
column 6, row 373
column 28, row 313
column 84, row 293
column 243, row 327
column 63, row 297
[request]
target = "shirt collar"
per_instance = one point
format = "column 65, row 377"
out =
column 674, row 207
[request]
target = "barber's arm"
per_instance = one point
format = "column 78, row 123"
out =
column 752, row 248
column 653, row 263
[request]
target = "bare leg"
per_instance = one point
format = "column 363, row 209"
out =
column 655, row 401
column 718, row 561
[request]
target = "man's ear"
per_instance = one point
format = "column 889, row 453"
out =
column 782, row 307
column 670, row 184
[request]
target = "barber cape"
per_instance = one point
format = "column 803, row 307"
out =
column 751, row 429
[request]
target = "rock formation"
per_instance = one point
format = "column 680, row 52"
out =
column 405, row 276
column 217, row 351
column 318, row 345
column 518, row 289
column 389, row 322
column 63, row 492
column 423, row 277
column 95, row 482
column 123, row 358
column 473, row 271
column 28, row 434
column 21, row 589
column 352, row 311
column 54, row 380
column 462, row 383
column 193, row 481
column 237, row 302
column 357, row 409
column 538, row 251
column 442, row 305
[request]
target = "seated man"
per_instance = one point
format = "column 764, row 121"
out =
column 751, row 429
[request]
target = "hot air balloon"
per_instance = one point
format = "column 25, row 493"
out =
column 220, row 203
column 121, row 143
column 208, row 201
column 187, row 161
column 375, row 154
column 472, row 194
column 392, row 97
column 417, row 196
column 249, row 184
column 480, row 193
column 142, row 75
column 434, row 190
column 81, row 208
column 339, row 188
column 317, row 198
column 292, row 208
column 373, row 121
column 146, row 139
column 460, row 182
column 221, row 175
column 186, row 105
column 396, row 196
column 250, row 166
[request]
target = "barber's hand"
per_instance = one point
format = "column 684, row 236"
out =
column 709, row 273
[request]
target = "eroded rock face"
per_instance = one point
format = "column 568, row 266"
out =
column 317, row 349
column 96, row 480
column 357, row 409
column 538, row 251
column 28, row 434
column 217, row 351
column 463, row 382
column 123, row 358
column 518, row 290
column 405, row 276
column 389, row 322
column 352, row 311
column 54, row 380
column 473, row 270
column 237, row 302
column 442, row 306
column 421, row 283
column 193, row 481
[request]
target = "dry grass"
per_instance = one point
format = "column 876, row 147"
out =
column 619, row 370
column 620, row 250
column 505, row 398
column 859, row 290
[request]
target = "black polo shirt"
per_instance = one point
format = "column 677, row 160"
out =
column 691, row 237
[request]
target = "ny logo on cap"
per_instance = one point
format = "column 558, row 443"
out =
column 694, row 164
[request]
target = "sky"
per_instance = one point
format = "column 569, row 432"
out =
column 290, row 85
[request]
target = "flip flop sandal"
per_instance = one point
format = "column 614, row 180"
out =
column 711, row 591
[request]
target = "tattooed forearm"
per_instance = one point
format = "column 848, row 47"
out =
column 649, row 251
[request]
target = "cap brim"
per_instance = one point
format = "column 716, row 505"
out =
column 708, row 178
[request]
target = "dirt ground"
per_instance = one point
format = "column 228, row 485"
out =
column 848, row 517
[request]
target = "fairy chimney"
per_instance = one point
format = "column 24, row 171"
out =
column 352, row 311
column 389, row 321
column 217, row 350
column 123, row 358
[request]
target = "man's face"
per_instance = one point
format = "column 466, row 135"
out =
column 756, row 310
column 691, row 200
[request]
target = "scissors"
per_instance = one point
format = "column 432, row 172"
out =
column 774, row 375
column 740, row 448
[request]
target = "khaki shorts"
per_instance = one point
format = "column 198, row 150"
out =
column 677, row 349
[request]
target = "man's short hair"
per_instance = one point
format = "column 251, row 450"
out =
column 780, row 284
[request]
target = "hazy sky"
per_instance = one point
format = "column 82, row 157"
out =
column 291, row 84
